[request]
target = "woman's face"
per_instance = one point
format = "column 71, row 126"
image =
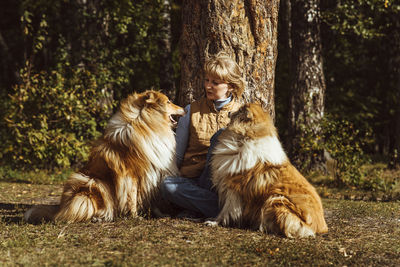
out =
column 216, row 89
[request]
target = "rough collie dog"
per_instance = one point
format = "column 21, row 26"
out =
column 125, row 165
column 257, row 185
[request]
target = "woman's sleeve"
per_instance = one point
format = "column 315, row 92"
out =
column 182, row 136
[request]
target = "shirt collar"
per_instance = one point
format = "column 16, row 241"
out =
column 219, row 104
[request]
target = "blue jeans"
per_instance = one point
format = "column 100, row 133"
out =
column 194, row 194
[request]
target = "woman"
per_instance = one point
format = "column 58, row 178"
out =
column 192, row 190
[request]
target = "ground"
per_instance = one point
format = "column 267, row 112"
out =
column 361, row 233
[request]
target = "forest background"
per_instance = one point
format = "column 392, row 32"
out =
column 65, row 65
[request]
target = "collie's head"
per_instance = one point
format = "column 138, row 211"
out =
column 250, row 139
column 252, row 121
column 142, row 115
column 149, row 103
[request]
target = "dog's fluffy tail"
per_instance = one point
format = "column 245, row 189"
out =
column 83, row 199
column 77, row 209
column 279, row 215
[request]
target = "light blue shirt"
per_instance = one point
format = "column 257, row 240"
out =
column 182, row 131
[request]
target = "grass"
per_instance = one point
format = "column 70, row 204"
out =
column 378, row 183
column 361, row 233
column 37, row 176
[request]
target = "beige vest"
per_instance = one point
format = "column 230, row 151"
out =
column 205, row 121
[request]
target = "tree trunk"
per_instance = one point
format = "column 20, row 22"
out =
column 395, row 154
column 167, row 83
column 247, row 30
column 307, row 86
column 287, row 31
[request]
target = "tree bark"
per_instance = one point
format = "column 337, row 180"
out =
column 307, row 86
column 395, row 154
column 287, row 31
column 167, row 83
column 246, row 30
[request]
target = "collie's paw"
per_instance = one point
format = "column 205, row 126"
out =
column 96, row 220
column 211, row 222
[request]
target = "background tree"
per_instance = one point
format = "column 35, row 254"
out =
column 395, row 153
column 307, row 85
column 283, row 70
column 361, row 52
column 167, row 81
column 247, row 30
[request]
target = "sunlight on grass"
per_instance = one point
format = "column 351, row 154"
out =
column 378, row 183
column 360, row 233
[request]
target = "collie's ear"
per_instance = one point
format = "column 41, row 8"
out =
column 134, row 95
column 249, row 114
column 150, row 98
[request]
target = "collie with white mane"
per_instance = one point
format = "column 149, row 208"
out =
column 125, row 165
column 257, row 185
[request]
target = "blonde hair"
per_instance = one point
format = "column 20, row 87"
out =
column 223, row 67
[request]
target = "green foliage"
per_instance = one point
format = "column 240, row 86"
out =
column 345, row 142
column 52, row 116
column 374, row 181
column 359, row 41
column 76, row 59
column 365, row 18
column 120, row 36
column 347, row 162
column 36, row 176
column 307, row 148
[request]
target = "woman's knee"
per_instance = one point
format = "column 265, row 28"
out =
column 168, row 187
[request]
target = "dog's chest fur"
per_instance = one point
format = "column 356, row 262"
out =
column 233, row 155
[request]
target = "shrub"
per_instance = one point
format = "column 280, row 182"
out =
column 52, row 116
column 345, row 142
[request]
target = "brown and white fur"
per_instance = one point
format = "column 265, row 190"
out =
column 125, row 165
column 257, row 185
